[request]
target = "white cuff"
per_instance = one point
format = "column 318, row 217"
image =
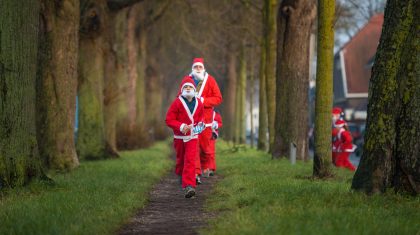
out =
column 182, row 127
column 202, row 99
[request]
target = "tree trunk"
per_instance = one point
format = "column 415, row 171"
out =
column 251, row 103
column 154, row 101
column 91, row 135
column 57, row 83
column 112, row 90
column 230, row 100
column 262, row 118
column 19, row 157
column 242, row 96
column 270, row 69
column 391, row 151
column 138, row 33
column 323, row 103
column 294, row 27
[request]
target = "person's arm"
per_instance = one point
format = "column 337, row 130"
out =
column 215, row 96
column 171, row 117
column 218, row 119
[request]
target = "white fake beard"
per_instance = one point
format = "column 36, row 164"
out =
column 199, row 75
column 188, row 94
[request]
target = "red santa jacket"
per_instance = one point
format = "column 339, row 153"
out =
column 218, row 118
column 178, row 114
column 345, row 141
column 211, row 96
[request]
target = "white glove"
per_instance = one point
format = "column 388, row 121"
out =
column 202, row 99
column 199, row 128
column 215, row 125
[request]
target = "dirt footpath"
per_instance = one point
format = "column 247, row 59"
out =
column 168, row 212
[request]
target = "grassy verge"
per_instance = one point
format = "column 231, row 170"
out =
column 96, row 198
column 262, row 196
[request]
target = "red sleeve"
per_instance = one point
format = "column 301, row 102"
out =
column 346, row 137
column 218, row 119
column 171, row 116
column 200, row 114
column 214, row 98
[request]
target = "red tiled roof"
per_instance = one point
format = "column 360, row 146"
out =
column 358, row 54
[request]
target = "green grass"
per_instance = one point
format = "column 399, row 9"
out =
column 96, row 198
column 262, row 196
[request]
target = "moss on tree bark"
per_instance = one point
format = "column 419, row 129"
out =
column 19, row 157
column 391, row 156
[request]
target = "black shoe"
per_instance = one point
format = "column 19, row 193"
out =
column 189, row 192
column 198, row 180
column 211, row 173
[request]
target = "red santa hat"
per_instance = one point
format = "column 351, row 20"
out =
column 198, row 61
column 187, row 82
column 337, row 110
column 340, row 123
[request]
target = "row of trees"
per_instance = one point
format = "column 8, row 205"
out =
column 123, row 60
column 54, row 51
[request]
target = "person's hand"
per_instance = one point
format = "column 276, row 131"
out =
column 186, row 129
column 215, row 125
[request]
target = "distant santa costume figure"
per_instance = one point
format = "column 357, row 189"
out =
column 185, row 116
column 217, row 124
column 337, row 114
column 209, row 93
column 345, row 146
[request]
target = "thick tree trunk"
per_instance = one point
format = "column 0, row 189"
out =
column 154, row 101
column 19, row 157
column 391, row 156
column 91, row 134
column 240, row 100
column 270, row 69
column 141, row 88
column 323, row 103
column 294, row 26
column 57, row 83
column 230, row 100
column 262, row 119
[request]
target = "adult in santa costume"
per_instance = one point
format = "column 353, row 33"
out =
column 217, row 123
column 209, row 93
column 185, row 117
column 337, row 114
column 345, row 145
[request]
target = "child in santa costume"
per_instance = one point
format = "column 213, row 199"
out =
column 217, row 123
column 336, row 115
column 345, row 145
column 209, row 93
column 185, row 117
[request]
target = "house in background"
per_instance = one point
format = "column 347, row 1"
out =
column 352, row 70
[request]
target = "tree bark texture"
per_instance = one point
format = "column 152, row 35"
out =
column 262, row 118
column 240, row 133
column 230, row 94
column 91, row 133
column 57, row 83
column 294, row 21
column 324, row 92
column 270, row 7
column 19, row 157
column 391, row 156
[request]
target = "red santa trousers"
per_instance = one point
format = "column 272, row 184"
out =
column 342, row 160
column 212, row 160
column 206, row 150
column 186, row 155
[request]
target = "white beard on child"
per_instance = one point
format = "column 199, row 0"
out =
column 198, row 75
column 188, row 94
